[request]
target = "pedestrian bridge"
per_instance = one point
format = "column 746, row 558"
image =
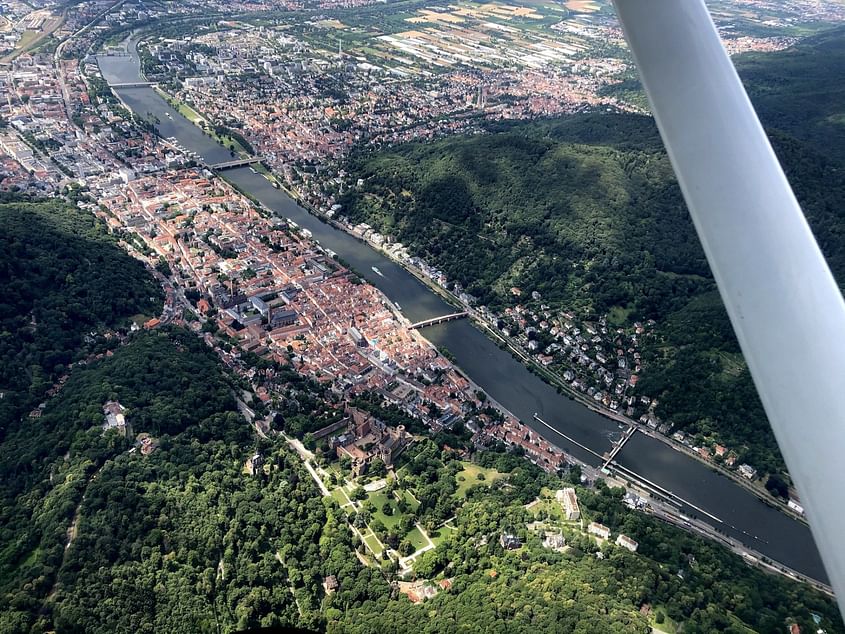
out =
column 437, row 320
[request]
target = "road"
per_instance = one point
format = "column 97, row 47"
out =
column 307, row 457
column 671, row 515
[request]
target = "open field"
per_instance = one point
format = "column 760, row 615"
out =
column 417, row 539
column 31, row 38
column 469, row 477
column 582, row 6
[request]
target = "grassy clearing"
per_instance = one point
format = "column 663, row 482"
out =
column 733, row 363
column 618, row 316
column 416, row 538
column 32, row 557
column 468, row 477
column 738, row 624
column 140, row 319
column 668, row 626
column 30, row 39
column 372, row 544
column 27, row 39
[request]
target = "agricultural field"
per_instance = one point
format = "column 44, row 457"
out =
column 425, row 40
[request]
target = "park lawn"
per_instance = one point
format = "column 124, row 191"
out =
column 551, row 507
column 190, row 114
column 417, row 539
column 181, row 107
column 197, row 119
column 229, row 142
column 340, row 498
column 470, row 474
column 372, row 544
column 443, row 533
column 412, row 502
column 379, row 498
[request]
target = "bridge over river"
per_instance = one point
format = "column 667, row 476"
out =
column 225, row 165
column 438, row 320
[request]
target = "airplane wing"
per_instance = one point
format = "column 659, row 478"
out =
column 785, row 306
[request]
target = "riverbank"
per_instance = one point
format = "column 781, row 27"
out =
column 203, row 123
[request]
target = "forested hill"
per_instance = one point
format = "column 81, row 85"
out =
column 586, row 211
column 800, row 90
column 97, row 533
column 184, row 539
column 98, row 537
column 62, row 277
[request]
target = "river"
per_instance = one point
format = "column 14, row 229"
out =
column 743, row 516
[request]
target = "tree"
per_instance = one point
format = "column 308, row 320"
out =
column 777, row 486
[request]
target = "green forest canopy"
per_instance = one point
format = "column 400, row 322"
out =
column 61, row 278
column 185, row 540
